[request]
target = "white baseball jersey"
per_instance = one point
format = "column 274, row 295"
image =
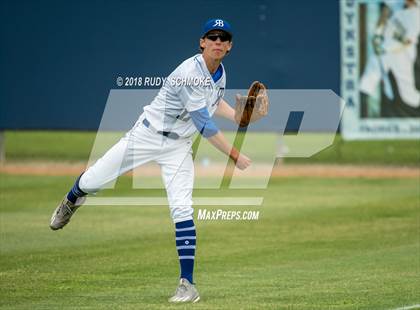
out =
column 406, row 23
column 394, row 5
column 169, row 111
column 189, row 87
column 398, row 58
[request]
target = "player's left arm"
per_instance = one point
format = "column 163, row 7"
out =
column 225, row 110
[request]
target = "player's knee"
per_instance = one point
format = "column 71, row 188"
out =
column 88, row 184
column 181, row 211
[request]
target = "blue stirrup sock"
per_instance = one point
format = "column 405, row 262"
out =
column 75, row 191
column 185, row 237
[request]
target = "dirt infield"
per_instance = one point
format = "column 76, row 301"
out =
column 281, row 170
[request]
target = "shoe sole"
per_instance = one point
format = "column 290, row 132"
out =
column 58, row 227
column 52, row 221
column 197, row 299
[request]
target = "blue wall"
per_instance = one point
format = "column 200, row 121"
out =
column 59, row 59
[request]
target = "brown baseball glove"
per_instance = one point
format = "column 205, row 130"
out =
column 251, row 108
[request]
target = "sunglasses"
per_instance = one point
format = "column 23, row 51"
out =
column 222, row 36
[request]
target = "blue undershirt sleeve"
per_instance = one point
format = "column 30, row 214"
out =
column 203, row 122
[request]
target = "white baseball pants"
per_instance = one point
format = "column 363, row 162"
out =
column 139, row 146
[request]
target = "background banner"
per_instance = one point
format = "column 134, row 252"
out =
column 380, row 69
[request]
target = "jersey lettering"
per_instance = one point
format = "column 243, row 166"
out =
column 218, row 23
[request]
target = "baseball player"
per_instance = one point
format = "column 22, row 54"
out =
column 163, row 133
column 395, row 44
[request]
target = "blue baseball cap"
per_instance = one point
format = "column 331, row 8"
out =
column 217, row 24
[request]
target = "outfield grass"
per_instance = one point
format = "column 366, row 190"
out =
column 77, row 146
column 319, row 244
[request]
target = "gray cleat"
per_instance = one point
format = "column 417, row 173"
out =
column 185, row 292
column 64, row 212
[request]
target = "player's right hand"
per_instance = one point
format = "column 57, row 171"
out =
column 243, row 162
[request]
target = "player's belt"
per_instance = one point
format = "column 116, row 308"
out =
column 169, row 134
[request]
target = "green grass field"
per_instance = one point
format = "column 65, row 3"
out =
column 318, row 244
column 76, row 146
